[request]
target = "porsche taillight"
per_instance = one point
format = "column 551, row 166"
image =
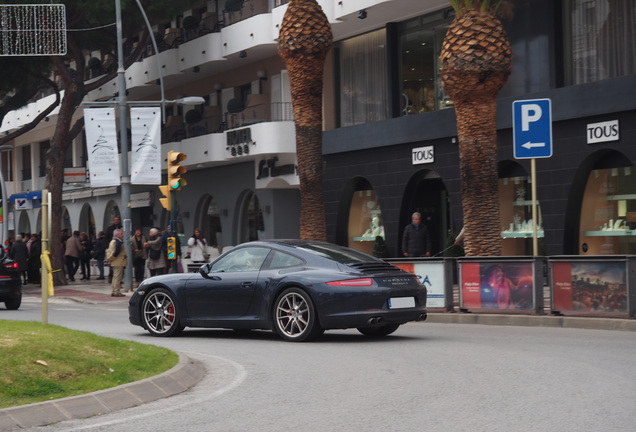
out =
column 352, row 282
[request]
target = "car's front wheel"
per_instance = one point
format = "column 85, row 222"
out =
column 160, row 313
column 14, row 303
column 295, row 318
column 379, row 331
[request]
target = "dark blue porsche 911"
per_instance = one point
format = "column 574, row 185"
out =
column 297, row 288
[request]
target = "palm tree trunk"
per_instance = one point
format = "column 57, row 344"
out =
column 477, row 136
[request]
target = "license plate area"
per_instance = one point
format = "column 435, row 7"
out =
column 401, row 302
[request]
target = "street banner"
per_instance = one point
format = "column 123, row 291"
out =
column 101, row 144
column 497, row 285
column 145, row 155
column 431, row 275
column 590, row 286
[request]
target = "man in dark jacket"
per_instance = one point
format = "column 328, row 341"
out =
column 416, row 241
column 20, row 254
column 99, row 253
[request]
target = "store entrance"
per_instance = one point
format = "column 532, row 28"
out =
column 426, row 193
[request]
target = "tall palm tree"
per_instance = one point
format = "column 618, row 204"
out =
column 475, row 64
column 304, row 40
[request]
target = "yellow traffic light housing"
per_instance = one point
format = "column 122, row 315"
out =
column 165, row 202
column 171, row 248
column 175, row 170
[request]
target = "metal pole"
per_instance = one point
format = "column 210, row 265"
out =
column 173, row 233
column 533, row 174
column 44, row 242
column 123, row 136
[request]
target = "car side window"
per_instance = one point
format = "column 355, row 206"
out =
column 283, row 260
column 241, row 260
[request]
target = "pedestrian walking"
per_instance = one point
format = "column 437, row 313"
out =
column 85, row 256
column 116, row 256
column 109, row 236
column 198, row 247
column 72, row 254
column 35, row 262
column 156, row 262
column 20, row 254
column 99, row 253
column 139, row 255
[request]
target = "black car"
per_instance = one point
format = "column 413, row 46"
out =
column 297, row 288
column 10, row 282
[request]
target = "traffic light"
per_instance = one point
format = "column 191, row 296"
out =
column 172, row 248
column 175, row 170
column 165, row 202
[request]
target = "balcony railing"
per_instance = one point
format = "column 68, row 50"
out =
column 270, row 112
column 212, row 121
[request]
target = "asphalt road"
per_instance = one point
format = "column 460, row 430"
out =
column 435, row 377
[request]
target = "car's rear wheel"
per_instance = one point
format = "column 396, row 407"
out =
column 379, row 331
column 160, row 313
column 14, row 303
column 295, row 318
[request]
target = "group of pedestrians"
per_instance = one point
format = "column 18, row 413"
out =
column 25, row 250
column 148, row 253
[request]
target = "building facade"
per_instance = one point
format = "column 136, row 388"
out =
column 389, row 141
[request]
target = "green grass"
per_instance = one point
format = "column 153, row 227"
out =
column 76, row 362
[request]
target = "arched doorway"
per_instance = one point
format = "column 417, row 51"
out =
column 24, row 225
column 250, row 218
column 110, row 213
column 87, row 221
column 426, row 193
column 360, row 216
column 208, row 219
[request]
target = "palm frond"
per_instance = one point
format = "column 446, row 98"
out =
column 482, row 5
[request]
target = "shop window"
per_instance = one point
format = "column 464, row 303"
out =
column 419, row 49
column 363, row 79
column 515, row 202
column 365, row 221
column 608, row 212
column 26, row 162
column 601, row 39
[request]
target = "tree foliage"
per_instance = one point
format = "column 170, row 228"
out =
column 90, row 27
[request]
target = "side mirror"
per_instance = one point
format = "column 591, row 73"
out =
column 203, row 271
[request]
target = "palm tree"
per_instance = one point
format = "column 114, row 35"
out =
column 475, row 64
column 304, row 40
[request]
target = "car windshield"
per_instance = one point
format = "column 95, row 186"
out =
column 339, row 254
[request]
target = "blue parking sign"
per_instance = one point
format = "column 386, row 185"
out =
column 532, row 128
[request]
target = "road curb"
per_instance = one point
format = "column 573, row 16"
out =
column 595, row 323
column 186, row 374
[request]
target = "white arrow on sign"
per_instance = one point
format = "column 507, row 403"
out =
column 530, row 145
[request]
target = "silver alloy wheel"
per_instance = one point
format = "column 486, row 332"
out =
column 160, row 314
column 293, row 314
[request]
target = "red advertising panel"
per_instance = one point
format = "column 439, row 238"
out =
column 470, row 285
column 590, row 286
column 562, row 285
column 497, row 285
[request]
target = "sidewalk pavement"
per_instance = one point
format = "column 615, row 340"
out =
column 189, row 372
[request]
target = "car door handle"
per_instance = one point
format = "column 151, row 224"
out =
column 246, row 284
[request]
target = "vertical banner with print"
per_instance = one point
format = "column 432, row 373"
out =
column 145, row 159
column 101, row 145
